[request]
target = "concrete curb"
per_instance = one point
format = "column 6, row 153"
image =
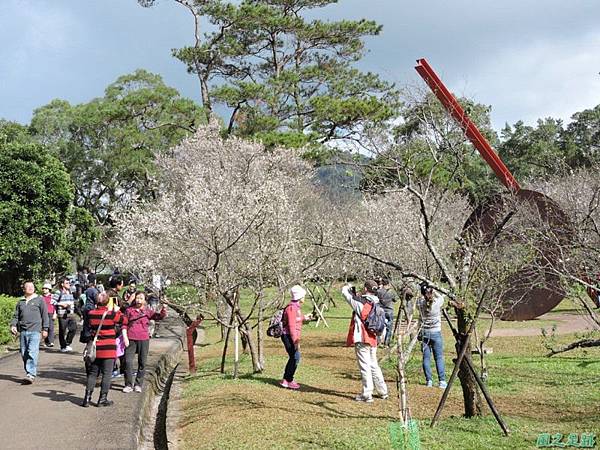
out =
column 155, row 382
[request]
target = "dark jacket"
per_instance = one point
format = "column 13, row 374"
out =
column 386, row 299
column 31, row 315
column 91, row 295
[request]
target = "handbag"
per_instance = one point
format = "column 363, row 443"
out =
column 89, row 354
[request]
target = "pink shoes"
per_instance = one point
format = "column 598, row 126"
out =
column 289, row 384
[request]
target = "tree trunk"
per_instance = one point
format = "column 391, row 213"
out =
column 224, row 356
column 236, row 346
column 260, row 334
column 246, row 330
column 471, row 397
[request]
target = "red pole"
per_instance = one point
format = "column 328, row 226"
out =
column 469, row 128
column 190, row 343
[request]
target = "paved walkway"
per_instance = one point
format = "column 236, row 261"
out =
column 48, row 415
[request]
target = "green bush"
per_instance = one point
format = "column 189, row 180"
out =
column 7, row 310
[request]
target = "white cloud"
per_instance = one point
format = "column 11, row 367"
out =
column 545, row 78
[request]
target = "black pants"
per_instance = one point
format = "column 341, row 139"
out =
column 294, row 357
column 141, row 348
column 99, row 366
column 50, row 337
column 67, row 327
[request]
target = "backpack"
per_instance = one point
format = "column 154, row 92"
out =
column 375, row 320
column 276, row 324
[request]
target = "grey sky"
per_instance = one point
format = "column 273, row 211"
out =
column 527, row 58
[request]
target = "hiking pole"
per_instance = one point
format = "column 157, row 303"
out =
column 461, row 355
column 480, row 382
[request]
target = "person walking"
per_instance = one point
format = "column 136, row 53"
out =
column 364, row 341
column 292, row 321
column 115, row 302
column 65, row 309
column 47, row 296
column 386, row 300
column 103, row 322
column 30, row 319
column 430, row 325
column 138, row 316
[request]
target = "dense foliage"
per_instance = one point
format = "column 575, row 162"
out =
column 7, row 310
column 287, row 79
column 108, row 145
column 40, row 229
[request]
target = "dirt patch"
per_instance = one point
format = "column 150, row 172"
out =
column 565, row 324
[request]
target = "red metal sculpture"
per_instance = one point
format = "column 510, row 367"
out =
column 531, row 292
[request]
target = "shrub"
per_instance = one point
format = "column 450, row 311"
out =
column 7, row 310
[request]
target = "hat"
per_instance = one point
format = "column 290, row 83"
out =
column 371, row 286
column 47, row 286
column 298, row 293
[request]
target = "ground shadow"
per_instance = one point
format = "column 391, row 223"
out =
column 17, row 380
column 345, row 414
column 303, row 387
column 60, row 396
column 72, row 375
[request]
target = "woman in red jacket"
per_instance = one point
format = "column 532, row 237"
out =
column 292, row 327
column 138, row 320
column 102, row 323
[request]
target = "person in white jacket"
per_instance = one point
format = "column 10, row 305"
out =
column 365, row 342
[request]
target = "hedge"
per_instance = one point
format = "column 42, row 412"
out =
column 7, row 310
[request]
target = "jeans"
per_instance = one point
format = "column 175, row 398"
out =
column 389, row 326
column 294, row 358
column 432, row 341
column 370, row 372
column 67, row 327
column 30, row 350
column 99, row 366
column 141, row 348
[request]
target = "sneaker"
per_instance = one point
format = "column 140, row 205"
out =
column 384, row 396
column 362, row 398
column 137, row 388
column 116, row 374
column 50, row 344
column 67, row 349
column 443, row 385
column 127, row 389
column 429, row 383
column 293, row 385
column 283, row 384
column 29, row 379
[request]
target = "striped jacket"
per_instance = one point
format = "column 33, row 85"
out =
column 106, row 345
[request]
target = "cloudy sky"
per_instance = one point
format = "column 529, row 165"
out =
column 526, row 58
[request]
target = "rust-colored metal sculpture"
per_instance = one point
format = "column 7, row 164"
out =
column 532, row 291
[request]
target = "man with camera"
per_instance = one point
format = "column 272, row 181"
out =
column 364, row 341
column 65, row 309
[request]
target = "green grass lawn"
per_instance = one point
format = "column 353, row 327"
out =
column 534, row 394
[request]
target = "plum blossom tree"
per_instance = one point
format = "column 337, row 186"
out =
column 413, row 222
column 578, row 266
column 228, row 216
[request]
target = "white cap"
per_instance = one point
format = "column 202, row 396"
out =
column 47, row 286
column 298, row 293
